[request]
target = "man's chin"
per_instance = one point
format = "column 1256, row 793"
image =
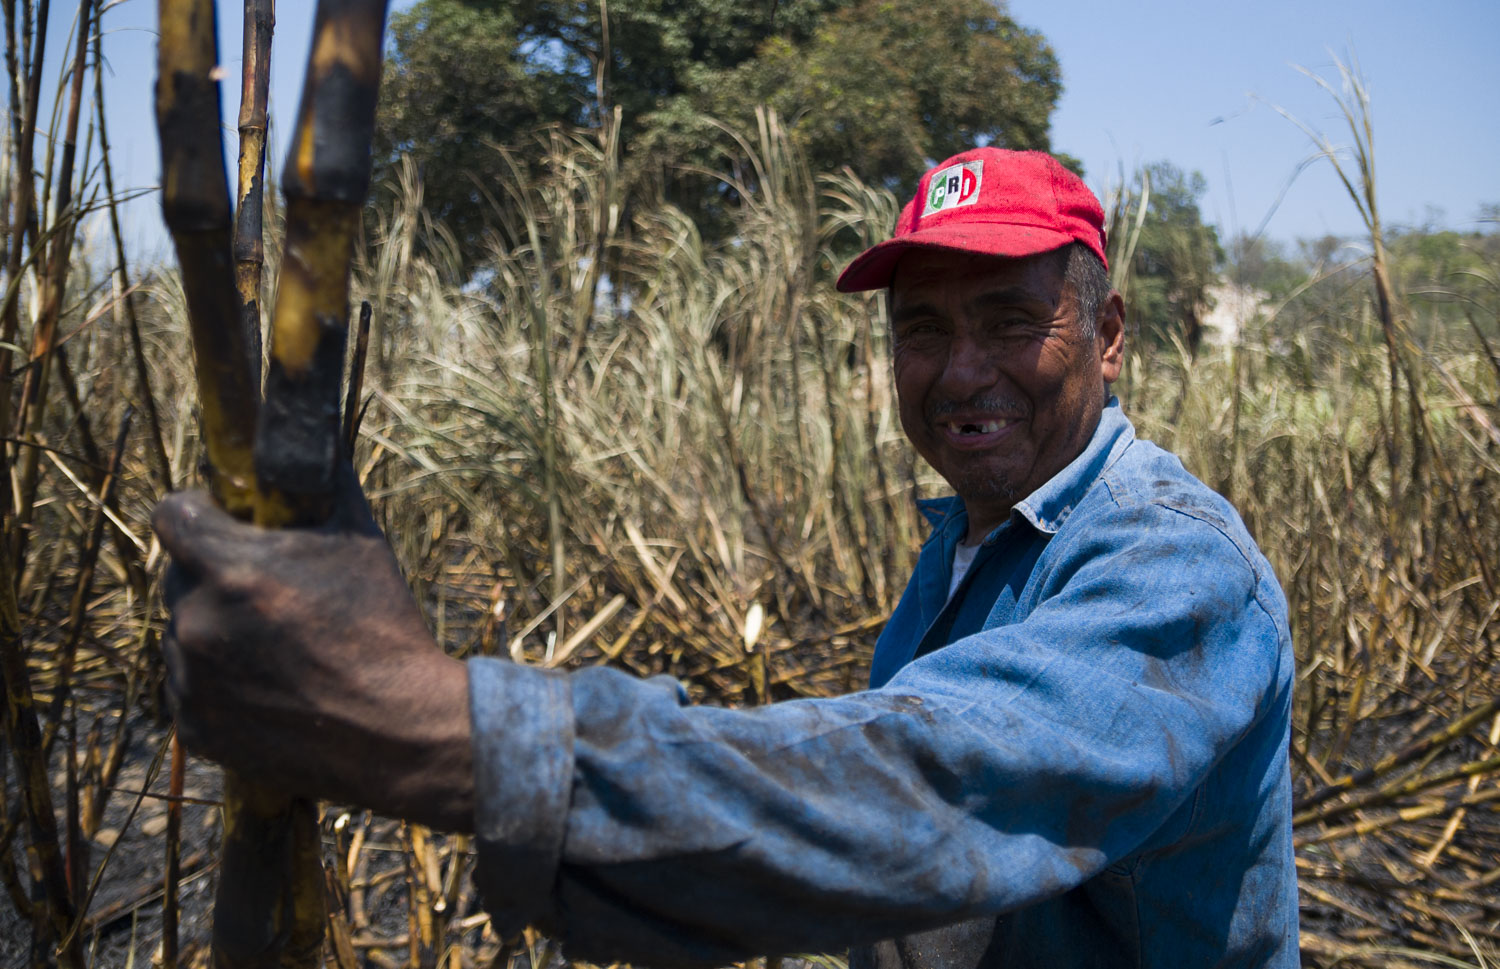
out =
column 985, row 486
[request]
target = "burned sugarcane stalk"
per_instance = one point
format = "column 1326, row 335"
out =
column 23, row 186
column 53, row 914
column 298, row 441
column 195, row 203
column 33, row 398
column 270, row 907
column 156, row 448
column 249, row 246
column 326, row 181
column 253, row 927
column 352, row 409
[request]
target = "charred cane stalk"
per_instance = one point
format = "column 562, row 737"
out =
column 326, row 180
column 33, row 401
column 249, row 247
column 195, row 203
column 253, row 925
column 269, row 910
column 270, row 904
column 23, row 185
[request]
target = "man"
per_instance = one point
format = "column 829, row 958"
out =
column 1073, row 752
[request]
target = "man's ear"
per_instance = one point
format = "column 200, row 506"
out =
column 1109, row 332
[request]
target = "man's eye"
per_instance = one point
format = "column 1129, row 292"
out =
column 1013, row 328
column 917, row 329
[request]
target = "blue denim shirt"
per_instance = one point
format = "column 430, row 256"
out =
column 1079, row 761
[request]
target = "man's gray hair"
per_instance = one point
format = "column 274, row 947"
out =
column 1086, row 276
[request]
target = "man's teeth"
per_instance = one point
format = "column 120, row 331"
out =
column 983, row 427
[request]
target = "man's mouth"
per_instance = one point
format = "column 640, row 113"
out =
column 975, row 432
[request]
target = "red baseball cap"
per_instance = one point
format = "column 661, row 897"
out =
column 988, row 201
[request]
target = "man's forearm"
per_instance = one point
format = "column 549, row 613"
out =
column 423, row 770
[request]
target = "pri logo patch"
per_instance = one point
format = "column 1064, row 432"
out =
column 954, row 186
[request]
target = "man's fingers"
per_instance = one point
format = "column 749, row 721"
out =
column 176, row 584
column 179, row 689
column 351, row 510
column 171, row 651
column 195, row 531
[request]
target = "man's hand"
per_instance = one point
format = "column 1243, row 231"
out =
column 298, row 659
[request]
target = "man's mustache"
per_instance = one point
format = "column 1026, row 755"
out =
column 984, row 403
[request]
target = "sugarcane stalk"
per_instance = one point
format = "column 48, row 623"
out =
column 261, row 918
column 352, row 411
column 326, row 181
column 1438, row 738
column 33, row 402
column 1398, row 790
column 53, row 914
column 195, row 203
column 173, row 864
column 249, row 245
column 83, row 584
column 23, row 188
column 156, row 448
column 269, row 910
column 64, row 707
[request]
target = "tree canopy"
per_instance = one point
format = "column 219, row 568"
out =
column 1176, row 259
column 882, row 86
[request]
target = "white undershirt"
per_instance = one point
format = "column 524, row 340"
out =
column 963, row 557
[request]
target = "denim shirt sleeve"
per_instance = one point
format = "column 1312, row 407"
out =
column 1002, row 770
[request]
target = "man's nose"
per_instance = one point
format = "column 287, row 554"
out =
column 970, row 368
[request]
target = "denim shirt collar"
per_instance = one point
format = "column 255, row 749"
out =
column 1048, row 506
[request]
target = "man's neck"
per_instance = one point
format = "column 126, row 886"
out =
column 979, row 529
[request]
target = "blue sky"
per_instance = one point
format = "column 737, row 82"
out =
column 1192, row 83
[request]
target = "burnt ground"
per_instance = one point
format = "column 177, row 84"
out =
column 127, row 858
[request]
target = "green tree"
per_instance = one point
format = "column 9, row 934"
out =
column 466, row 76
column 882, row 86
column 886, row 87
column 457, row 82
column 1448, row 278
column 1177, row 258
column 1264, row 264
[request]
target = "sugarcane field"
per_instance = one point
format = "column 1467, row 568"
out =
column 786, row 588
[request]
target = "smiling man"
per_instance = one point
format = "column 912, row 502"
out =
column 1087, row 593
column 1073, row 751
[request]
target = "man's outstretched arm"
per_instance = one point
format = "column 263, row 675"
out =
column 1007, row 768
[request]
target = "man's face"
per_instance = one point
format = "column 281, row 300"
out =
column 999, row 386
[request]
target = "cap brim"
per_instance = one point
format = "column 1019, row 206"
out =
column 873, row 268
